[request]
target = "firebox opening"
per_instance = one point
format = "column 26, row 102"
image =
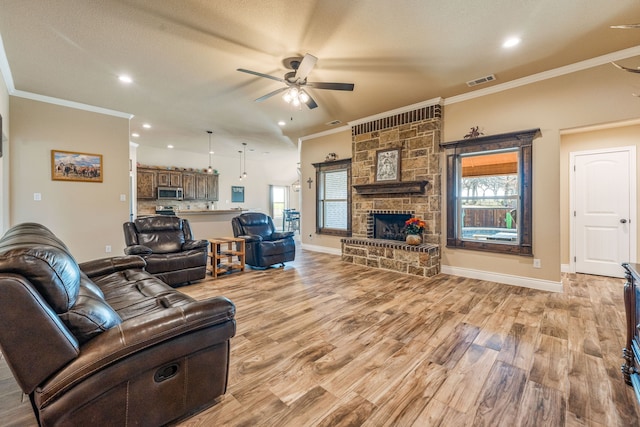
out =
column 389, row 226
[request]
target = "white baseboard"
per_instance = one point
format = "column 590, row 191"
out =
column 507, row 279
column 566, row 268
column 323, row 249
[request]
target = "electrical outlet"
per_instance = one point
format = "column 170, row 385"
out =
column 37, row 197
column 107, row 248
column 123, row 197
column 537, row 263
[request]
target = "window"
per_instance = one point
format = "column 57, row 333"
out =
column 333, row 192
column 489, row 195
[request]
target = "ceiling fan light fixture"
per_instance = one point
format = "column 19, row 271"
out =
column 303, row 96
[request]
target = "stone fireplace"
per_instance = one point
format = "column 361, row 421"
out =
column 380, row 209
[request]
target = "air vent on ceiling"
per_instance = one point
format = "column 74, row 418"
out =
column 333, row 123
column 481, row 80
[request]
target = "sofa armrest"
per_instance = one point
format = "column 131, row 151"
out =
column 281, row 234
column 100, row 267
column 138, row 250
column 138, row 334
column 194, row 244
column 251, row 238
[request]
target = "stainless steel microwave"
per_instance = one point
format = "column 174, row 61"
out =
column 170, row 193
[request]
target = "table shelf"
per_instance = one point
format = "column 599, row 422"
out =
column 227, row 259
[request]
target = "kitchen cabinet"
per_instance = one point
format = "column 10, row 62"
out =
column 195, row 185
column 206, row 187
column 189, row 185
column 146, row 184
column 169, row 179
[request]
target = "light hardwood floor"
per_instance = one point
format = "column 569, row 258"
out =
column 325, row 343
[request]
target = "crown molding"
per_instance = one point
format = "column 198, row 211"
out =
column 5, row 70
column 70, row 104
column 545, row 75
column 325, row 133
column 601, row 126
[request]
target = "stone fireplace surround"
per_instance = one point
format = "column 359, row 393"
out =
column 417, row 133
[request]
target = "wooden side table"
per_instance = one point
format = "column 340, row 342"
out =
column 226, row 259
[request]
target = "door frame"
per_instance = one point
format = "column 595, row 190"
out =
column 631, row 149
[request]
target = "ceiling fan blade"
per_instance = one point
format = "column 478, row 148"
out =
column 331, row 86
column 626, row 26
column 266, row 76
column 631, row 70
column 307, row 64
column 270, row 94
column 311, row 103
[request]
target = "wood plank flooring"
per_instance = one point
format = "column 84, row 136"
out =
column 325, row 343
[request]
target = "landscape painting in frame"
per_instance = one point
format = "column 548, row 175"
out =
column 71, row 166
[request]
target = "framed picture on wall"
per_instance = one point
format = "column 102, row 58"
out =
column 237, row 194
column 388, row 165
column 72, row 166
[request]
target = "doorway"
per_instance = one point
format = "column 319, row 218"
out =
column 278, row 202
column 603, row 210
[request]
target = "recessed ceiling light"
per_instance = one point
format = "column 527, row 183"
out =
column 135, row 135
column 511, row 42
column 125, row 79
column 211, row 152
column 169, row 146
column 281, row 123
column 146, row 126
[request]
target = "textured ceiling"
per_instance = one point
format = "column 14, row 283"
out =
column 183, row 56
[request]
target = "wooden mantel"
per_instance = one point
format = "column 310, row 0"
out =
column 396, row 187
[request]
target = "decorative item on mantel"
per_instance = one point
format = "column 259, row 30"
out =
column 331, row 157
column 414, row 227
column 474, row 133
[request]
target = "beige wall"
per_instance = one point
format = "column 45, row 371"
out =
column 597, row 95
column 86, row 216
column 4, row 161
column 585, row 98
column 315, row 150
column 619, row 136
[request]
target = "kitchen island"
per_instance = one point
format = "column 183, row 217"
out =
column 207, row 223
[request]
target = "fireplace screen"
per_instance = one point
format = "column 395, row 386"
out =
column 389, row 226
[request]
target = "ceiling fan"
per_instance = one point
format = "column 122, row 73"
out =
column 627, row 27
column 296, row 81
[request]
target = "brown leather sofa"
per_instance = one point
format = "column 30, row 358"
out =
column 167, row 245
column 104, row 342
column 264, row 246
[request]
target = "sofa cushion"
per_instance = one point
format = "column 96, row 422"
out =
column 90, row 315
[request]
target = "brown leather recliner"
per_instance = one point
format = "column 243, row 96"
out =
column 264, row 246
column 168, row 247
column 104, row 342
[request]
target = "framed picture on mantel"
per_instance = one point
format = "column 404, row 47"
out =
column 388, row 165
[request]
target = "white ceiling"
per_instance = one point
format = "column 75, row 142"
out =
column 183, row 56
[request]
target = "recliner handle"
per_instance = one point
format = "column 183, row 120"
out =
column 166, row 372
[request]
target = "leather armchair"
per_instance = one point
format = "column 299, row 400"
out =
column 104, row 342
column 167, row 245
column 264, row 246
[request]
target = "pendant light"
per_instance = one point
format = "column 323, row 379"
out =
column 244, row 160
column 240, row 157
column 210, row 169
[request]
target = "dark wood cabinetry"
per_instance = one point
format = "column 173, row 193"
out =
column 631, row 352
column 169, row 179
column 189, row 185
column 196, row 185
column 146, row 185
column 206, row 187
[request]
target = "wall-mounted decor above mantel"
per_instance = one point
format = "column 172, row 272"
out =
column 400, row 187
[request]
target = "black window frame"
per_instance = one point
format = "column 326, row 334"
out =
column 522, row 141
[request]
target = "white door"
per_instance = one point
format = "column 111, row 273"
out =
column 602, row 211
